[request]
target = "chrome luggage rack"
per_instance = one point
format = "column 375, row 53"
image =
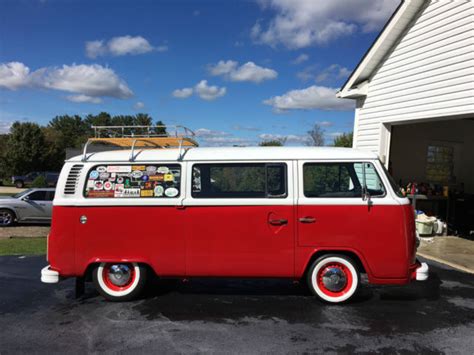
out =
column 158, row 136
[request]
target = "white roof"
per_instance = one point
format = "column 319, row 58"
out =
column 234, row 153
column 388, row 37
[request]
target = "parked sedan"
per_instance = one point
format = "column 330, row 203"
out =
column 22, row 180
column 29, row 206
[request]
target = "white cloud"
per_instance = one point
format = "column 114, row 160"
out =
column 223, row 67
column 207, row 92
column 182, row 93
column 163, row 48
column 201, row 89
column 209, row 133
column 210, row 137
column 118, row 46
column 227, row 141
column 302, row 23
column 84, row 98
column 325, row 123
column 331, row 73
column 139, row 105
column 311, row 98
column 89, row 82
column 246, row 72
column 14, row 75
column 300, row 59
column 245, row 128
column 291, row 138
column 92, row 80
column 334, row 71
column 95, row 49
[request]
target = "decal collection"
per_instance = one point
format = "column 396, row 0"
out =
column 133, row 181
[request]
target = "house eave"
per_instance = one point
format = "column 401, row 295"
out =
column 382, row 45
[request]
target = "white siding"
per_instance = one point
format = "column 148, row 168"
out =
column 428, row 74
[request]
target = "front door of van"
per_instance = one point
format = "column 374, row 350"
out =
column 332, row 215
column 240, row 220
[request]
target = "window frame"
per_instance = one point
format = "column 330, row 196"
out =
column 265, row 164
column 141, row 198
column 302, row 193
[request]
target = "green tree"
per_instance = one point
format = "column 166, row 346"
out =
column 26, row 149
column 316, row 135
column 160, row 128
column 343, row 140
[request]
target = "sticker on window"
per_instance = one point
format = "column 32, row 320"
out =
column 133, row 181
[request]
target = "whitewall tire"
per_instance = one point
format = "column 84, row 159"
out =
column 333, row 278
column 119, row 281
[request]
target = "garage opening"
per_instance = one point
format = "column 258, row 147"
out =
column 437, row 159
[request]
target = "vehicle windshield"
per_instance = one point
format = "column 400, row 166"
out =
column 21, row 194
column 391, row 180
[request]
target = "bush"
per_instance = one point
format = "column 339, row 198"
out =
column 40, row 181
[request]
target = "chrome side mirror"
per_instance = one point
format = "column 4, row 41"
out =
column 366, row 195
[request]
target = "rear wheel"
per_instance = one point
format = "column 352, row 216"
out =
column 119, row 281
column 334, row 278
column 7, row 218
column 19, row 184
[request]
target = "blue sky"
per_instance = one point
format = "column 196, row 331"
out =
column 235, row 71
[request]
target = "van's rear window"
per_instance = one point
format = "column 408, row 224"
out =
column 133, row 181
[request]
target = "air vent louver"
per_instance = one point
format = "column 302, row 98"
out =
column 73, row 179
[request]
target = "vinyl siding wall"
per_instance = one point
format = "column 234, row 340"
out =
column 428, row 74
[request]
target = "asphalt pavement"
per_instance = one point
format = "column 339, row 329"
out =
column 234, row 316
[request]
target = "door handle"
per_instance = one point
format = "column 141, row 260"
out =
column 278, row 222
column 307, row 219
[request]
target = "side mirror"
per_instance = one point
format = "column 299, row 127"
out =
column 366, row 195
column 26, row 198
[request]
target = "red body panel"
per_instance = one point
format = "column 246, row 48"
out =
column 376, row 234
column 233, row 240
column 240, row 241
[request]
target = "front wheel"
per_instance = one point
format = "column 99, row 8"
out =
column 119, row 281
column 333, row 278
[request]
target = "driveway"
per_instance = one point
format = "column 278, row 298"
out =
column 229, row 316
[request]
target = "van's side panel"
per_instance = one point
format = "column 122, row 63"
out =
column 240, row 241
column 148, row 234
column 61, row 248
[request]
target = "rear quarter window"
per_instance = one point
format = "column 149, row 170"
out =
column 133, row 181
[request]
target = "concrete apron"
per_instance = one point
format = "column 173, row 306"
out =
column 452, row 251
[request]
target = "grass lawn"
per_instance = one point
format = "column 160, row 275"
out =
column 6, row 194
column 22, row 246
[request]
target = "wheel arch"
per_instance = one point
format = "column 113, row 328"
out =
column 87, row 273
column 361, row 265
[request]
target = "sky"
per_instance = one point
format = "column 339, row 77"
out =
column 236, row 72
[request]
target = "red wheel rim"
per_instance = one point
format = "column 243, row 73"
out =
column 330, row 268
column 109, row 282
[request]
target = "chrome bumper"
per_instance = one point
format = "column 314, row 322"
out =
column 422, row 272
column 49, row 276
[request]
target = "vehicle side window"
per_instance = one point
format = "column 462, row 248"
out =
column 38, row 196
column 239, row 180
column 50, row 196
column 134, row 181
column 340, row 180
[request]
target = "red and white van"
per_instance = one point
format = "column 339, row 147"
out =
column 323, row 214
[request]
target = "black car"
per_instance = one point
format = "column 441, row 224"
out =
column 21, row 181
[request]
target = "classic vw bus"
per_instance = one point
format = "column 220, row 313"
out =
column 325, row 215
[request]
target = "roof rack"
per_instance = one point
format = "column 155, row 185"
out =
column 143, row 136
